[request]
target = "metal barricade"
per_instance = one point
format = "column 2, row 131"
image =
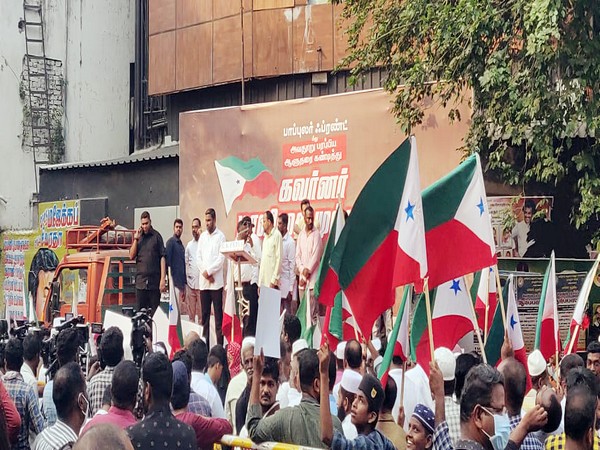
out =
column 239, row 442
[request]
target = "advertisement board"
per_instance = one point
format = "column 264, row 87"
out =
column 246, row 160
column 511, row 217
column 29, row 259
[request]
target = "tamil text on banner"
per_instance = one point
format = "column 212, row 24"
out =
column 29, row 259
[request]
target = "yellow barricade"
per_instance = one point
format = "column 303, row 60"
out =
column 236, row 441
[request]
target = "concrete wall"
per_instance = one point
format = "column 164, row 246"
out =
column 16, row 171
column 100, row 48
column 94, row 43
column 129, row 186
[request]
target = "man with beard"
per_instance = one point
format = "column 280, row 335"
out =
column 346, row 395
column 148, row 251
column 299, row 424
column 269, row 383
column 593, row 358
column 241, row 407
column 193, row 274
column 176, row 264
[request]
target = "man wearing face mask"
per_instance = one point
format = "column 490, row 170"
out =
column 72, row 407
column 484, row 424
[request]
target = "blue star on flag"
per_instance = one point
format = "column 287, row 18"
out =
column 455, row 286
column 513, row 322
column 481, row 206
column 170, row 307
column 409, row 211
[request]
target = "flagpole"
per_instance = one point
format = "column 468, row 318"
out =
column 234, row 313
column 404, row 365
column 572, row 340
column 429, row 321
column 485, row 324
column 355, row 331
column 476, row 327
column 499, row 292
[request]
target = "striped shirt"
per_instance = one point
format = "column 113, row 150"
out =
column 26, row 401
column 54, row 437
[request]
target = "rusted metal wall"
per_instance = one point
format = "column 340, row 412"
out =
column 198, row 43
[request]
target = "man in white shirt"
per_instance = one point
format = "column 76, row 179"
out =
column 210, row 265
column 200, row 383
column 249, row 275
column 193, row 274
column 346, row 395
column 288, row 266
column 31, row 361
column 521, row 229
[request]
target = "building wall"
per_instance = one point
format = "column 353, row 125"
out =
column 16, row 173
column 288, row 87
column 126, row 187
column 198, row 43
column 100, row 48
column 93, row 44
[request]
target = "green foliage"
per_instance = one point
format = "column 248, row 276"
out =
column 57, row 140
column 533, row 67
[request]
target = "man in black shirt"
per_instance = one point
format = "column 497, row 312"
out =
column 160, row 429
column 148, row 251
column 176, row 264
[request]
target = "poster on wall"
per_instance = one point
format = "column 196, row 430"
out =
column 511, row 217
column 29, row 259
column 242, row 161
column 529, row 292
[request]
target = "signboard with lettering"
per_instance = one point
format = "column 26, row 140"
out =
column 29, row 259
column 246, row 160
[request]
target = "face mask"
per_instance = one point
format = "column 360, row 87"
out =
column 501, row 430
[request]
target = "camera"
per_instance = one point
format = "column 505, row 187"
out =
column 21, row 331
column 48, row 350
column 97, row 328
column 140, row 331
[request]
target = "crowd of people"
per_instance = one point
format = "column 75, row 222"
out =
column 287, row 258
column 307, row 397
column 326, row 398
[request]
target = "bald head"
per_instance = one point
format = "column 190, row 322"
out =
column 353, row 355
column 515, row 384
column 189, row 338
column 105, row 436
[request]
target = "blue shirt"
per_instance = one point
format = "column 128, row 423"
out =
column 372, row 441
column 530, row 442
column 48, row 407
column 176, row 261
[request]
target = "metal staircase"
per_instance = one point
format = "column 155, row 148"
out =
column 38, row 86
